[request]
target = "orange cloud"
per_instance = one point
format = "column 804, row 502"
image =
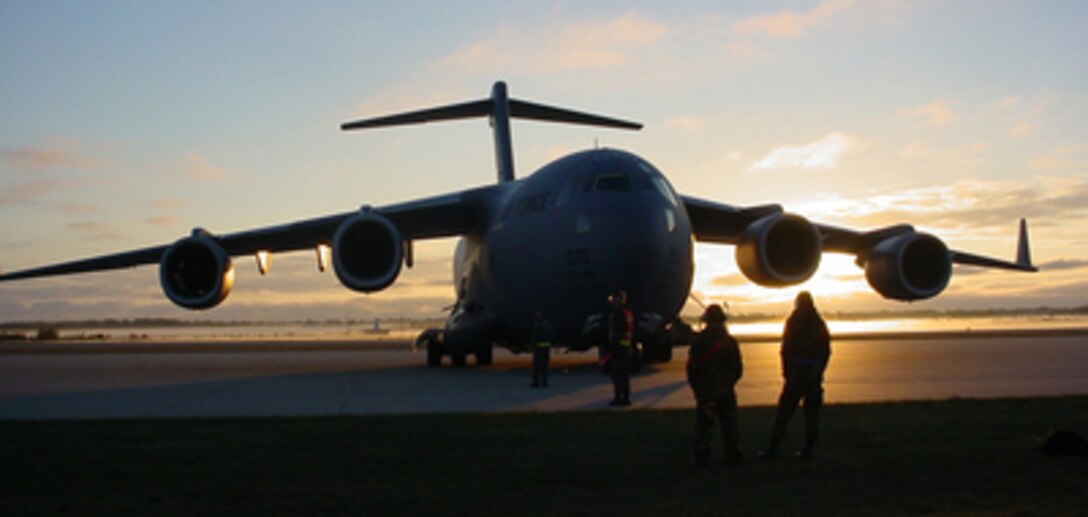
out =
column 936, row 113
column 197, row 167
column 60, row 154
column 791, row 24
column 553, row 49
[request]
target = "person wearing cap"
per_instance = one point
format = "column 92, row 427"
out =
column 621, row 328
column 806, row 350
column 541, row 341
column 714, row 367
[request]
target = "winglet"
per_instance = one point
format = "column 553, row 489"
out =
column 1023, row 250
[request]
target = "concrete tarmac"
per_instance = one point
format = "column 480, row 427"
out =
column 95, row 380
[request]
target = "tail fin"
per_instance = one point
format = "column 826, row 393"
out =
column 500, row 108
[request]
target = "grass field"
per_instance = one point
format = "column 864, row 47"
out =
column 959, row 456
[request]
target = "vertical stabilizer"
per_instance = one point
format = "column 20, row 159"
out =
column 500, row 132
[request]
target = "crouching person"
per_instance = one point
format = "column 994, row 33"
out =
column 714, row 367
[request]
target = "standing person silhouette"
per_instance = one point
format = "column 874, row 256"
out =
column 621, row 329
column 806, row 350
column 541, row 341
column 714, row 367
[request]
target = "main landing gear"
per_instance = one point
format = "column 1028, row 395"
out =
column 434, row 342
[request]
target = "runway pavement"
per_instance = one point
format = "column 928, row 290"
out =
column 289, row 378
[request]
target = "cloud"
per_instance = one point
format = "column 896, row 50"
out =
column 1063, row 265
column 820, row 154
column 687, row 123
column 60, row 154
column 169, row 203
column 730, row 280
column 161, row 220
column 1060, row 159
column 93, row 231
column 970, row 210
column 1021, row 130
column 791, row 24
column 935, row 114
column 195, row 166
column 549, row 49
column 31, row 191
column 971, row 154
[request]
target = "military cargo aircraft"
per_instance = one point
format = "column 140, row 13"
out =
column 560, row 240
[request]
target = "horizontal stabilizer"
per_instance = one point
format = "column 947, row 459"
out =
column 529, row 110
column 500, row 108
column 486, row 107
column 452, row 112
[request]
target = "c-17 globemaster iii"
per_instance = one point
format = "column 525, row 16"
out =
column 560, row 240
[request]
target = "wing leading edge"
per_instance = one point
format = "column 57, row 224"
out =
column 775, row 248
column 439, row 216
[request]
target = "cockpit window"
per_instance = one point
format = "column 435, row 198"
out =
column 611, row 182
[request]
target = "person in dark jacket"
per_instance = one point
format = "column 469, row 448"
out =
column 621, row 329
column 714, row 367
column 806, row 350
column 541, row 341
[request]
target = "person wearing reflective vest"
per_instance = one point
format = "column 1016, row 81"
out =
column 806, row 350
column 621, row 330
column 541, row 340
column 714, row 367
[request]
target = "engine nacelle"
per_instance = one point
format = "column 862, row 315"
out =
column 912, row 266
column 367, row 252
column 196, row 273
column 779, row 250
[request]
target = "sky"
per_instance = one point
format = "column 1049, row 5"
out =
column 127, row 124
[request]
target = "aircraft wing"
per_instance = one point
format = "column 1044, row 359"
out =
column 439, row 216
column 726, row 224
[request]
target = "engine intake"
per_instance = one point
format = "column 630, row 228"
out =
column 779, row 250
column 367, row 252
column 196, row 273
column 912, row 266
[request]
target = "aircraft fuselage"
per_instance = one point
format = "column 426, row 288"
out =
column 564, row 238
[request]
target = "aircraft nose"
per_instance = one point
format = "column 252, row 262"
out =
column 648, row 246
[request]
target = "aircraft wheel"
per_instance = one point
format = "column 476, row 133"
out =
column 458, row 359
column 658, row 351
column 665, row 354
column 483, row 356
column 429, row 338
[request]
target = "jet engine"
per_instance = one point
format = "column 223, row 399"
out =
column 779, row 250
column 196, row 273
column 367, row 252
column 911, row 266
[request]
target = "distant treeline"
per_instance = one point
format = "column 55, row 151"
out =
column 921, row 314
column 404, row 322
column 113, row 323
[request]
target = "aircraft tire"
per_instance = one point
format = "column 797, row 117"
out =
column 483, row 356
column 664, row 354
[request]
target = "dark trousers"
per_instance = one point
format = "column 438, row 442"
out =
column 541, row 355
column 621, row 373
column 802, row 387
column 724, row 410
